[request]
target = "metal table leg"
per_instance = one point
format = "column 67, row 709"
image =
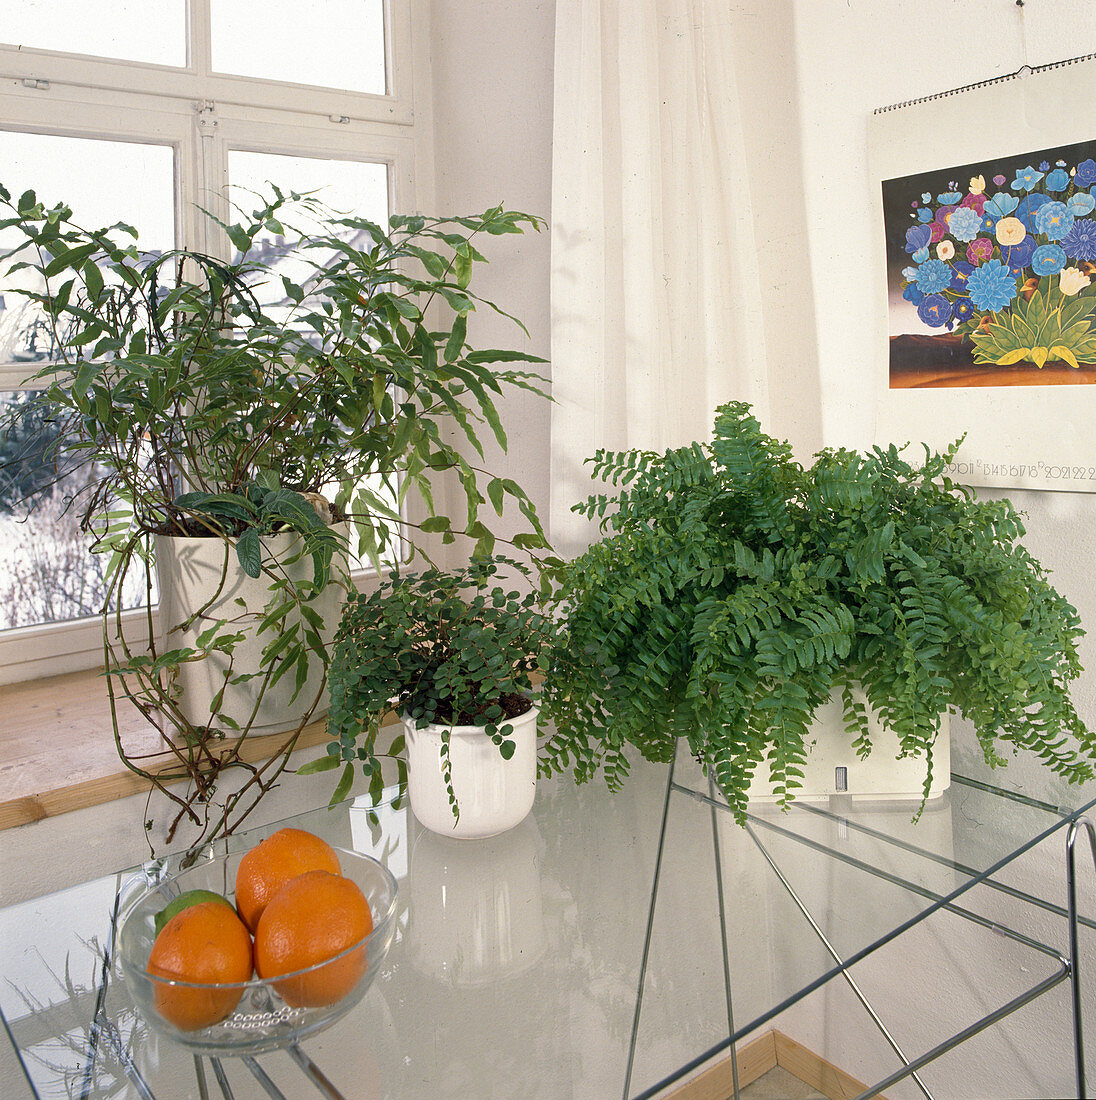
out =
column 1075, row 827
column 650, row 929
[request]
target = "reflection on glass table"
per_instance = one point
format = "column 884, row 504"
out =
column 608, row 947
column 810, row 893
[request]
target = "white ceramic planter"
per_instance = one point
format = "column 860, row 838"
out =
column 834, row 768
column 189, row 572
column 493, row 794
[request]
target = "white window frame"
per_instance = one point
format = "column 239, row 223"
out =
column 203, row 116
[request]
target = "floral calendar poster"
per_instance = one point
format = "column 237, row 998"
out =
column 987, row 219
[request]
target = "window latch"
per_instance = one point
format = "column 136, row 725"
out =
column 35, row 82
column 207, row 116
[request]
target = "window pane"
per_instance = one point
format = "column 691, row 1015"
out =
column 341, row 46
column 47, row 574
column 352, row 187
column 85, row 174
column 356, row 187
column 136, row 30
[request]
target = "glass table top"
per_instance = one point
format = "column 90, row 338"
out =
column 587, row 953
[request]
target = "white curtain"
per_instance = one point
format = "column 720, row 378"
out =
column 656, row 314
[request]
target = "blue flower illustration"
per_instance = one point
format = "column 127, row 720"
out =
column 992, row 286
column 976, row 254
column 1026, row 179
column 1081, row 203
column 963, row 309
column 1080, row 242
column 1053, row 220
column 1017, row 256
column 1058, row 180
column 965, row 223
column 1086, row 173
column 935, row 311
column 1001, row 205
column 1027, row 207
column 1048, row 259
column 917, row 237
column 933, row 275
column 960, row 273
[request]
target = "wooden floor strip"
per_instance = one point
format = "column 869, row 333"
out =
column 756, row 1058
column 57, row 750
column 716, row 1082
column 817, row 1072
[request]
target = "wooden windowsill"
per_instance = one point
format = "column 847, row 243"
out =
column 57, row 750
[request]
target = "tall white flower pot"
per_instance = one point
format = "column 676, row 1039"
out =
column 203, row 575
column 493, row 794
column 834, row 768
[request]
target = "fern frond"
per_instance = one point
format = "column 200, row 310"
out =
column 735, row 589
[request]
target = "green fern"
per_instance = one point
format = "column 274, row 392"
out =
column 733, row 590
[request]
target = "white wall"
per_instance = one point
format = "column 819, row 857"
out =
column 491, row 67
column 851, row 58
column 862, row 54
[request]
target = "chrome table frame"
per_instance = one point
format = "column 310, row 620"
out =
column 1067, row 966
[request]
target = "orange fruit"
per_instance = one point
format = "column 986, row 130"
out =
column 206, row 943
column 265, row 869
column 314, row 917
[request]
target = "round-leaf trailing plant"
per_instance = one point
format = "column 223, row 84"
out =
column 237, row 397
column 733, row 589
column 449, row 648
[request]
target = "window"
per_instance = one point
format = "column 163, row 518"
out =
column 346, row 185
column 250, row 37
column 134, row 30
column 46, row 573
column 145, row 111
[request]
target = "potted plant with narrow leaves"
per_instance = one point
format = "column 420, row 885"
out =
column 735, row 593
column 232, row 418
column 453, row 654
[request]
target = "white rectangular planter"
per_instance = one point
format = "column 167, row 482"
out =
column 190, row 571
column 833, row 767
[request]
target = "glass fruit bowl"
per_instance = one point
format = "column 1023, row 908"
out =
column 261, row 1014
